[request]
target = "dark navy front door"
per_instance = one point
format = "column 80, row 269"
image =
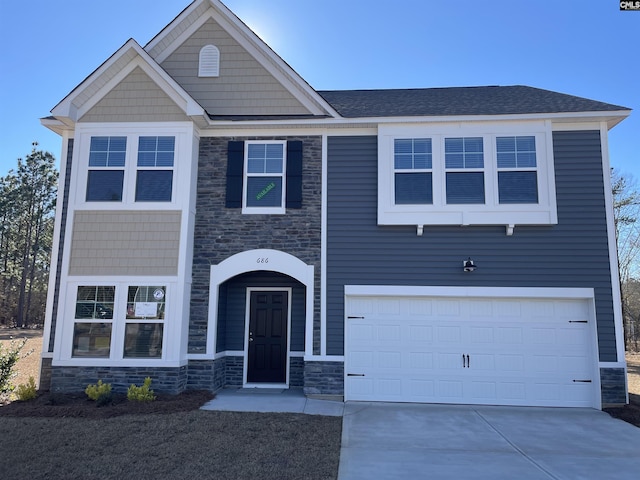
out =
column 267, row 356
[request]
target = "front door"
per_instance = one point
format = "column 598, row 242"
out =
column 267, row 355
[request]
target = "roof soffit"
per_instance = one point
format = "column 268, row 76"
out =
column 195, row 16
column 106, row 77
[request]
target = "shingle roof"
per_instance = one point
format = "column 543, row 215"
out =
column 454, row 101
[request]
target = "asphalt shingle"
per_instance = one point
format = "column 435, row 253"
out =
column 454, row 101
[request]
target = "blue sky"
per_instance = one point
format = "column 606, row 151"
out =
column 584, row 48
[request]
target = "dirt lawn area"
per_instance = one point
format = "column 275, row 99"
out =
column 29, row 363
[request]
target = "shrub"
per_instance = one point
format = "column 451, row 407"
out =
column 98, row 392
column 27, row 391
column 142, row 393
column 8, row 359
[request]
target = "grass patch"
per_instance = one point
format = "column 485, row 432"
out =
column 194, row 444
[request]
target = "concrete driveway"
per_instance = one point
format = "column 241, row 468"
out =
column 409, row 441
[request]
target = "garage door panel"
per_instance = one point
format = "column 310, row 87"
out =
column 510, row 363
column 421, row 334
column 420, row 360
column 447, row 308
column 449, row 334
column 484, row 391
column 520, row 352
column 389, row 360
column 361, row 360
column 512, row 391
column 481, row 362
column 509, row 335
column 449, row 361
column 450, row 390
column 482, row 335
column 422, row 390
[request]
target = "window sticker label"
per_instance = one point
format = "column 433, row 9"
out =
column 146, row 309
column 265, row 190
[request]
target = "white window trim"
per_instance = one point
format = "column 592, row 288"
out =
column 245, row 175
column 171, row 324
column 490, row 213
column 181, row 131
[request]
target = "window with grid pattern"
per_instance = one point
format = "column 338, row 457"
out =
column 413, row 174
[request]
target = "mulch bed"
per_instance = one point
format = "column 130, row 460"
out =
column 78, row 405
column 629, row 413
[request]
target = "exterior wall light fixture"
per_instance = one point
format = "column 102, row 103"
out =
column 468, row 265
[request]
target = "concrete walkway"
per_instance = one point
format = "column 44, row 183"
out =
column 280, row 400
column 461, row 442
column 398, row 441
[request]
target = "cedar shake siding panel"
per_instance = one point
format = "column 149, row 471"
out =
column 244, row 86
column 125, row 243
column 101, row 81
column 137, row 98
column 178, row 30
column 573, row 253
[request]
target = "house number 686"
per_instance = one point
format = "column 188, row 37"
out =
column 262, row 260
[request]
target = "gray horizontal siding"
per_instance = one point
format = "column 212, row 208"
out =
column 232, row 307
column 573, row 253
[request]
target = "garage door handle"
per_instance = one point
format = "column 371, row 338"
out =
column 582, row 381
column 465, row 361
column 355, row 374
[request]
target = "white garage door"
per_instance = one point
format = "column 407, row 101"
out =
column 495, row 351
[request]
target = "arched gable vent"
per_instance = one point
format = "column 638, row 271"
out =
column 209, row 65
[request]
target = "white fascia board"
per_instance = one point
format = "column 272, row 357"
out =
column 257, row 48
column 268, row 131
column 66, row 108
column 447, row 291
column 55, row 125
column 176, row 21
column 557, row 119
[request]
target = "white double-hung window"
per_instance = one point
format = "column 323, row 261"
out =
column 517, row 169
column 264, row 186
column 484, row 173
column 118, row 321
column 131, row 165
column 464, row 164
column 413, row 178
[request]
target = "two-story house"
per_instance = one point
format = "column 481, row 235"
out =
column 221, row 223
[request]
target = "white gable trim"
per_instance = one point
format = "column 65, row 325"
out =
column 259, row 50
column 67, row 108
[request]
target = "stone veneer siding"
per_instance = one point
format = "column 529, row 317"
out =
column 221, row 232
column 75, row 379
column 613, row 386
column 45, row 374
column 324, row 378
column 228, row 372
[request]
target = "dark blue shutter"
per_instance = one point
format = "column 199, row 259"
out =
column 294, row 174
column 235, row 168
